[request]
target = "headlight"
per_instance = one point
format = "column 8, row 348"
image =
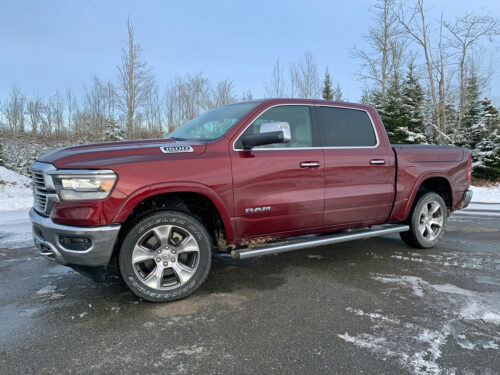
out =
column 82, row 186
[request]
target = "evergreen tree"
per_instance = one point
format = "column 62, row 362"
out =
column 486, row 154
column 1, row 156
column 392, row 112
column 337, row 93
column 490, row 113
column 112, row 131
column 412, row 103
column 472, row 129
column 327, row 87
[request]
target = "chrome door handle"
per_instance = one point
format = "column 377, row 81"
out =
column 377, row 161
column 309, row 164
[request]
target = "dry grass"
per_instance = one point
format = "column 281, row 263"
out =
column 484, row 183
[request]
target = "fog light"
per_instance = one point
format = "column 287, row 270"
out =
column 75, row 243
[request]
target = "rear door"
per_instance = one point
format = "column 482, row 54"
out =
column 280, row 187
column 359, row 170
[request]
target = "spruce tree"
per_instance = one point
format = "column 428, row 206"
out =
column 327, row 87
column 412, row 103
column 486, row 154
column 472, row 129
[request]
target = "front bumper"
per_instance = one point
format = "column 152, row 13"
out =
column 466, row 199
column 46, row 235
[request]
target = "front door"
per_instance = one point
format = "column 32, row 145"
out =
column 279, row 187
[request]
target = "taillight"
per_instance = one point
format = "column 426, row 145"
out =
column 469, row 168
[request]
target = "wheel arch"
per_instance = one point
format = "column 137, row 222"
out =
column 432, row 181
column 176, row 190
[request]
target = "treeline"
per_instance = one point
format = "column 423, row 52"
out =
column 131, row 107
column 427, row 77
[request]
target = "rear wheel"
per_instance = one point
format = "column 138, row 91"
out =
column 165, row 256
column 427, row 220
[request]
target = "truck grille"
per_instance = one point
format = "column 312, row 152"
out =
column 39, row 191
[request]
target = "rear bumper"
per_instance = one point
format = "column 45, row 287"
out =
column 46, row 235
column 466, row 199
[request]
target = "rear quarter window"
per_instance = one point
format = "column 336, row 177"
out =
column 345, row 127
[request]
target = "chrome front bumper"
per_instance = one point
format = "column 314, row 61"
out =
column 46, row 235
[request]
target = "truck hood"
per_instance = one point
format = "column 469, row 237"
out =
column 105, row 155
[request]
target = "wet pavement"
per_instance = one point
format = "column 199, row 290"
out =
column 372, row 306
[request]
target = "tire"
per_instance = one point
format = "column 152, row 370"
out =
column 165, row 256
column 427, row 221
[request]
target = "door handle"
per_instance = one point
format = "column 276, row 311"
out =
column 377, row 161
column 309, row 164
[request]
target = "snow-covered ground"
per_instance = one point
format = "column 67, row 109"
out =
column 15, row 229
column 482, row 194
column 16, row 198
column 15, row 191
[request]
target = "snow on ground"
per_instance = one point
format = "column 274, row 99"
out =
column 15, row 191
column 16, row 198
column 15, row 229
column 483, row 194
column 454, row 315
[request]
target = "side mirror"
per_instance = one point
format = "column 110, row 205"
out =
column 269, row 133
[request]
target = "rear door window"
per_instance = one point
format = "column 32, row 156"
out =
column 345, row 127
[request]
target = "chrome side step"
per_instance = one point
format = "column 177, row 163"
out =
column 379, row 230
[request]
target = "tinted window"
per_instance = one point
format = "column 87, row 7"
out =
column 343, row 127
column 297, row 117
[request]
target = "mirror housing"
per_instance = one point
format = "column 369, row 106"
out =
column 269, row 133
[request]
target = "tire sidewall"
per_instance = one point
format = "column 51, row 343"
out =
column 425, row 199
column 181, row 220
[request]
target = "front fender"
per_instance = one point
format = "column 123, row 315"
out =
column 176, row 187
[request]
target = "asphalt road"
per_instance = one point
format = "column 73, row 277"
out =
column 372, row 306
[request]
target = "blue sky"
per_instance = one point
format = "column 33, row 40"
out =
column 49, row 45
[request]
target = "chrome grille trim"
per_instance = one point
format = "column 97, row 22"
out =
column 43, row 197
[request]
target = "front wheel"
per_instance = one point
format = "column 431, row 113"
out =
column 166, row 256
column 427, row 220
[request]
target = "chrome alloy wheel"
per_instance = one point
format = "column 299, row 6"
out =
column 166, row 257
column 431, row 220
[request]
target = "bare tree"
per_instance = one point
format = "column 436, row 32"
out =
column 95, row 106
column 71, row 108
column 35, row 108
column 58, row 111
column 223, row 93
column 185, row 98
column 418, row 29
column 275, row 86
column 135, row 79
column 304, row 77
column 384, row 57
column 47, row 118
column 152, row 111
column 14, row 109
column 466, row 31
column 441, row 79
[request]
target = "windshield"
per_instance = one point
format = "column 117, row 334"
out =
column 213, row 124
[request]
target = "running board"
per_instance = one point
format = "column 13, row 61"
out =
column 380, row 230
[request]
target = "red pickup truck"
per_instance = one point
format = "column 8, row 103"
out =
column 304, row 172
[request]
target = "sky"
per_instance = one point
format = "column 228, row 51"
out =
column 49, row 45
